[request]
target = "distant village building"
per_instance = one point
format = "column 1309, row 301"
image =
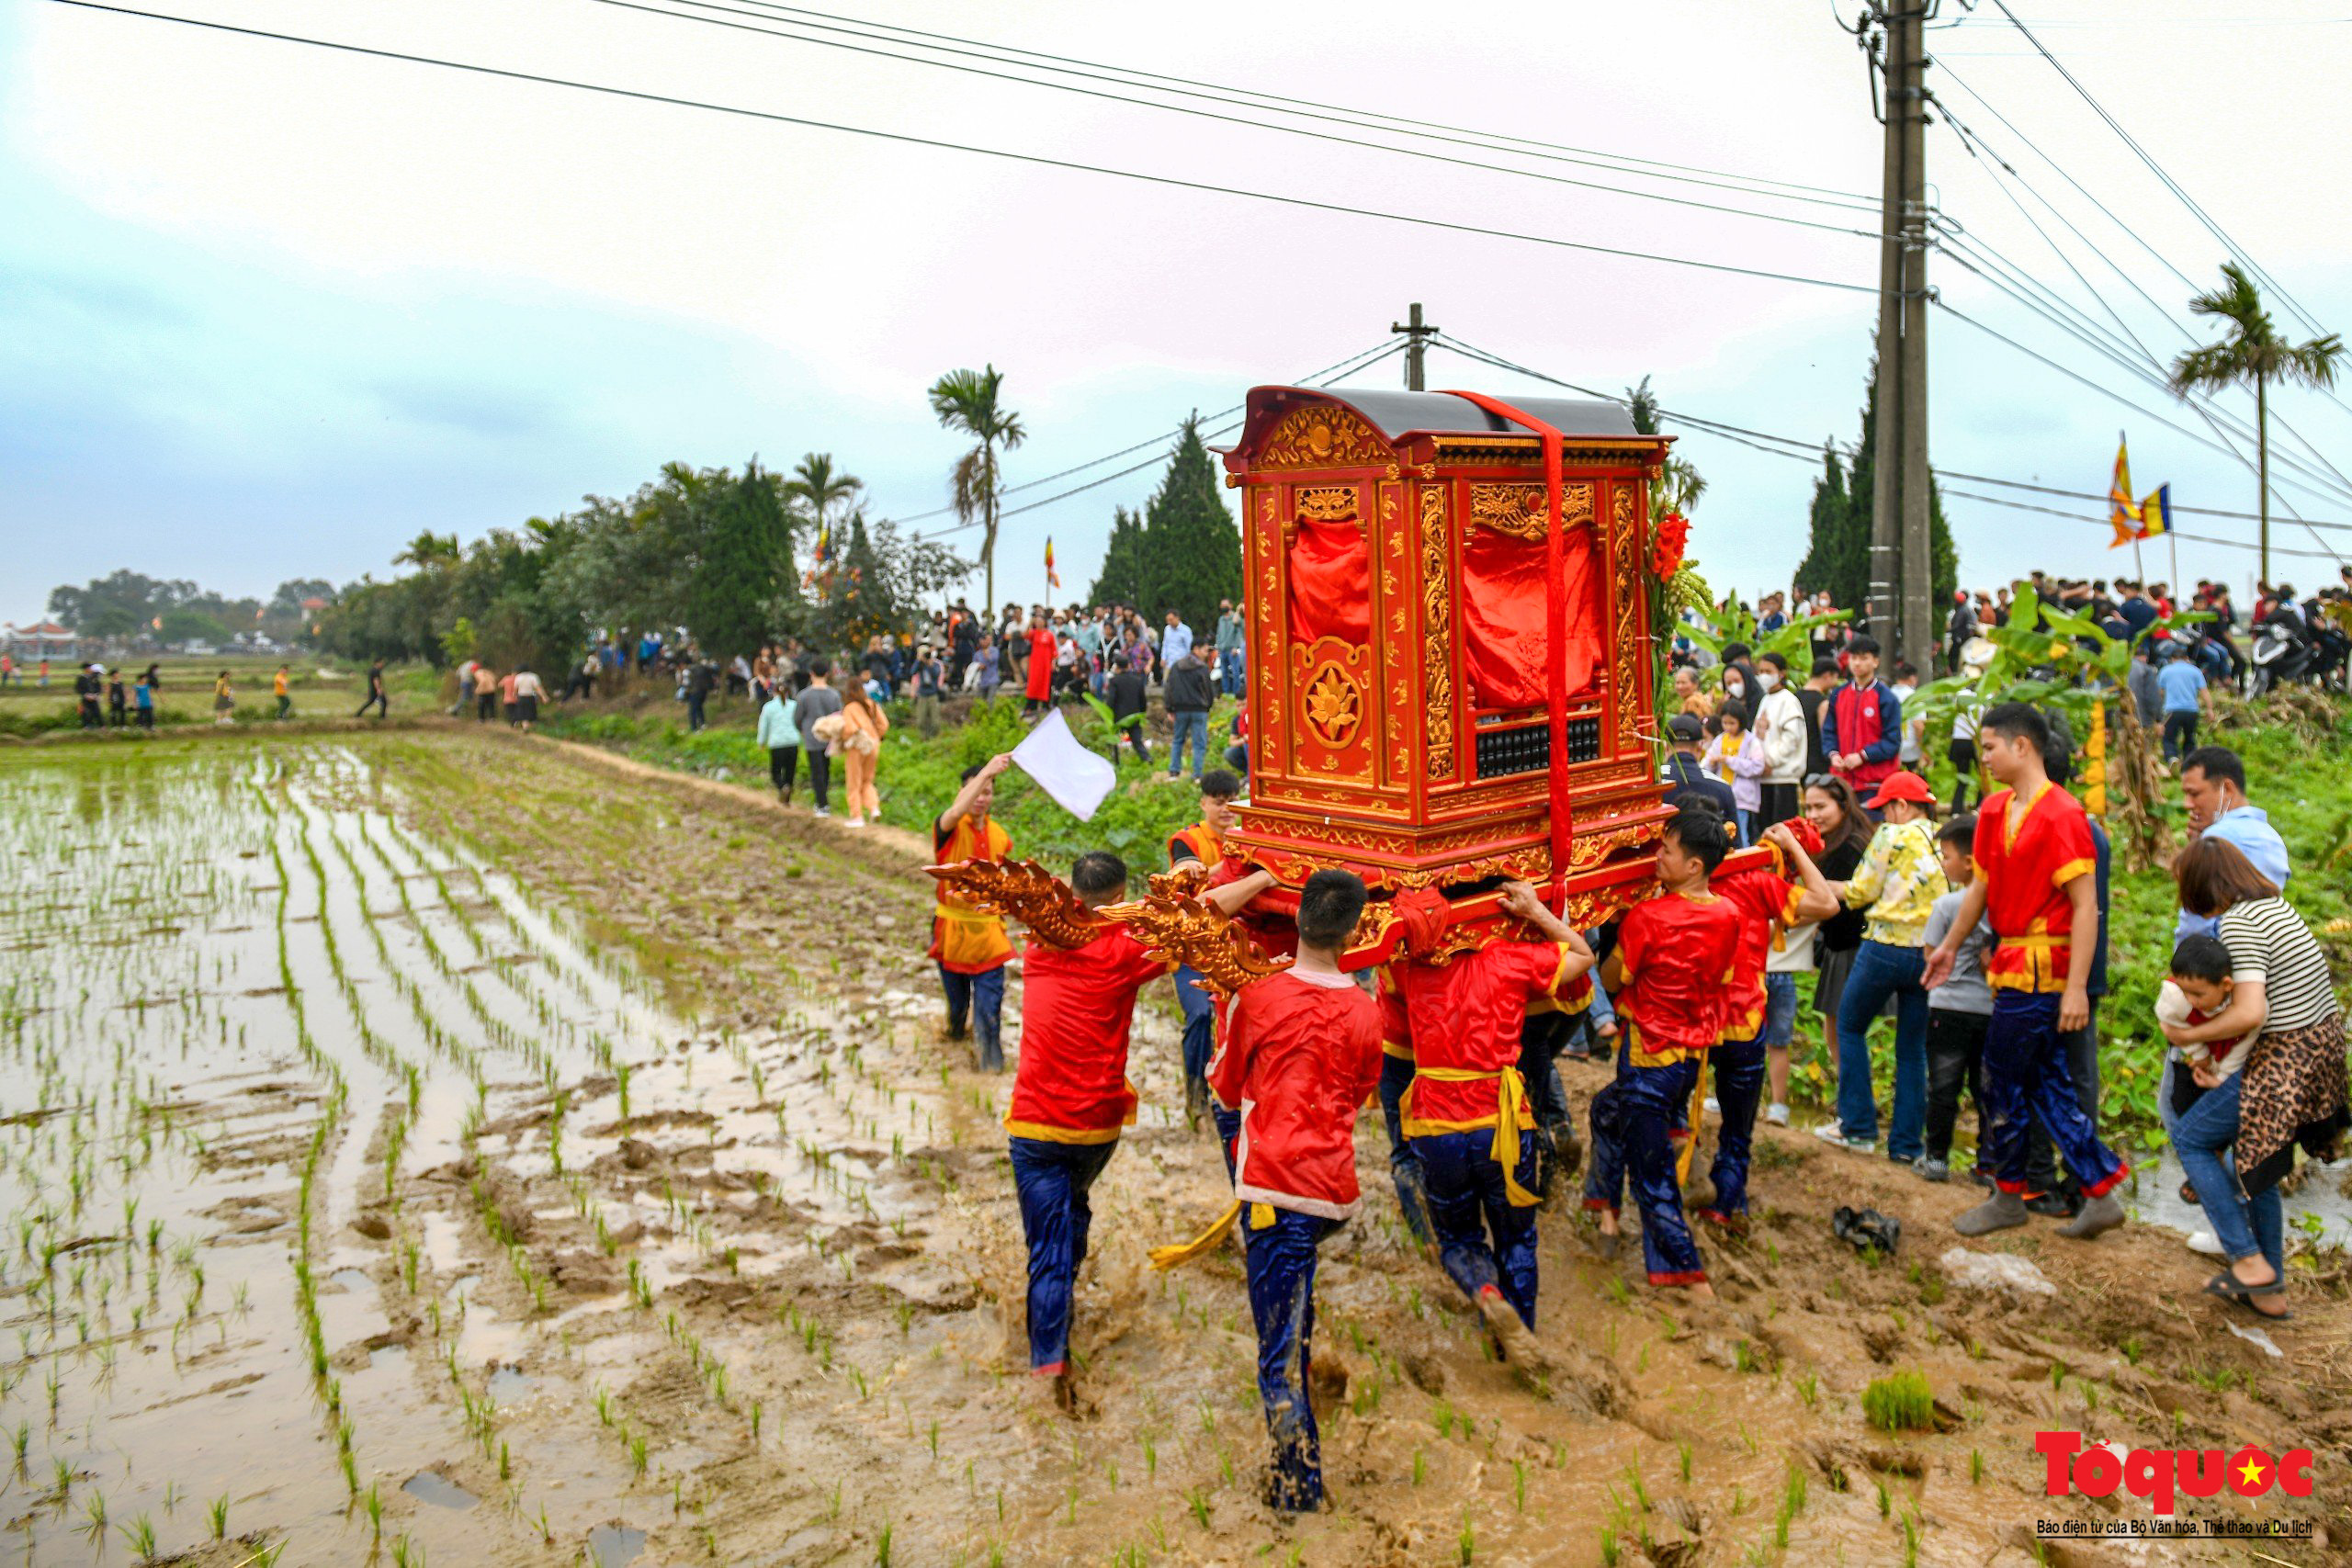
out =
column 43, row 639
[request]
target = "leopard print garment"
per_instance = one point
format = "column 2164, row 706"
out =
column 2294, row 1080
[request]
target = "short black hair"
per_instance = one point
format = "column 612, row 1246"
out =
column 1862, row 642
column 2202, row 958
column 1734, row 709
column 1098, row 872
column 1776, row 659
column 973, row 772
column 1699, row 828
column 819, row 669
column 1734, row 651
column 1219, row 784
column 1329, row 907
column 1825, row 665
column 2017, row 721
column 2217, row 763
column 1961, row 830
column 1905, row 670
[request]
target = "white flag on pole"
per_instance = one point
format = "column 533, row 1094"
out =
column 1074, row 776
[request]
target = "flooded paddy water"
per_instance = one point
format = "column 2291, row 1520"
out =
column 427, row 1148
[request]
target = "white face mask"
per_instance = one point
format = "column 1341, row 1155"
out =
column 1768, row 679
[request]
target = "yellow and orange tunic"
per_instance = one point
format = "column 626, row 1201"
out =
column 963, row 940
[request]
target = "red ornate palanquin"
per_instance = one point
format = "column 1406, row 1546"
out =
column 1402, row 579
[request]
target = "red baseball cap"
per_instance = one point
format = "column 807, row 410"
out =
column 1905, row 785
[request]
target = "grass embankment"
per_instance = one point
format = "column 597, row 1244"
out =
column 920, row 775
column 322, row 689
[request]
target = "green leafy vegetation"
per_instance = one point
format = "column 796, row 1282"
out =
column 1901, row 1401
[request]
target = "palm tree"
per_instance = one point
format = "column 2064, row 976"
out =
column 817, row 485
column 966, row 401
column 428, row 550
column 2253, row 353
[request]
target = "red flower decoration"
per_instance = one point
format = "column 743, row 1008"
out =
column 1665, row 551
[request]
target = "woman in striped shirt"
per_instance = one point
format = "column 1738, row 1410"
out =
column 2292, row 1088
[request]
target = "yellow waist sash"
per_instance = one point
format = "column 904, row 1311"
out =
column 1510, row 1108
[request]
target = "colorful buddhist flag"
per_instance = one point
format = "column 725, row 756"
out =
column 1053, row 578
column 2123, row 513
column 2155, row 513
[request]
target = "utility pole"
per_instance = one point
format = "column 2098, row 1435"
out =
column 1416, row 339
column 1901, row 556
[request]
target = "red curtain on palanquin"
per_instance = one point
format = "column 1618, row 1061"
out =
column 1504, row 621
column 1331, row 583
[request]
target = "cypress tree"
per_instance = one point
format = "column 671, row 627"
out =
column 1838, row 555
column 1192, row 548
column 743, row 558
column 1121, row 579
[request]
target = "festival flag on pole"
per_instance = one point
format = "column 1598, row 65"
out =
column 1053, row 578
column 2123, row 514
column 2156, row 513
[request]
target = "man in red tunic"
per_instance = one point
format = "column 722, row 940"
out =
column 1861, row 724
column 970, row 945
column 2035, row 866
column 1071, row 1098
column 1466, row 1111
column 1769, row 899
column 1301, row 1054
column 1670, row 978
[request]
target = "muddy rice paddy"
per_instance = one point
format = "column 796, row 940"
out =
column 425, row 1148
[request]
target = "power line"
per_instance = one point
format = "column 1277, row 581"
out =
column 1400, row 124
column 2155, row 373
column 1384, row 351
column 1343, row 367
column 903, row 139
column 1783, row 443
column 2094, row 495
column 2080, row 517
column 2157, row 169
column 772, row 31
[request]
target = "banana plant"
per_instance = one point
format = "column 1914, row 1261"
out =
column 1111, row 724
column 2054, row 659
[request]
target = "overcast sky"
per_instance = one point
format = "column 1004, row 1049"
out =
column 267, row 311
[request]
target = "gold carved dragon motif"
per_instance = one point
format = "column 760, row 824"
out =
column 1169, row 920
column 1517, row 510
column 1437, row 635
column 1328, row 504
column 1633, row 596
column 1321, row 437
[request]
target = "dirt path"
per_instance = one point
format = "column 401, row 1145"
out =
column 652, row 1220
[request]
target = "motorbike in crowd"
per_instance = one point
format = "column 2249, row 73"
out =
column 2289, row 651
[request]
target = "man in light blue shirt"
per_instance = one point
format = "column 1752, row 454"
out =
column 2183, row 686
column 1230, row 641
column 1175, row 642
column 2212, row 780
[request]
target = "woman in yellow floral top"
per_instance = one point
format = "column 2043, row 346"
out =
column 1896, row 886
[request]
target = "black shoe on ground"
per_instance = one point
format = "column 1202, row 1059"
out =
column 2055, row 1204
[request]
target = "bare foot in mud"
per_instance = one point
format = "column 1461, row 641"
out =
column 1516, row 1340
column 1062, row 1388
column 1609, row 1240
